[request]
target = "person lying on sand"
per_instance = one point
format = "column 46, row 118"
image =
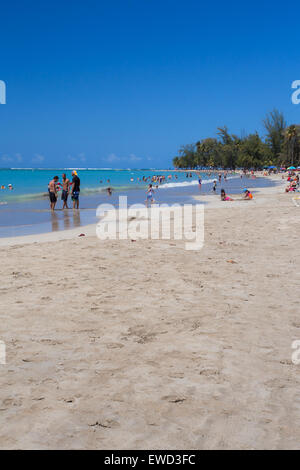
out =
column 224, row 197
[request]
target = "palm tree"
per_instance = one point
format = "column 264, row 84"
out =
column 176, row 162
column 291, row 136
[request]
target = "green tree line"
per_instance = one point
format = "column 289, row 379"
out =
column 280, row 147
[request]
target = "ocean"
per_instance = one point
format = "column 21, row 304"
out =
column 25, row 208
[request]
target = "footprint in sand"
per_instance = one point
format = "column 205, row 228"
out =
column 105, row 423
column 174, row 398
column 114, row 345
column 209, row 372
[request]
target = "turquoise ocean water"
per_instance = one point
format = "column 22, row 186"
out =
column 31, row 184
column 25, row 209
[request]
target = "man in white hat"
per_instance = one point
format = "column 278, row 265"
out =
column 75, row 190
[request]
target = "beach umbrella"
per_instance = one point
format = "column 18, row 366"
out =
column 271, row 167
column 291, row 168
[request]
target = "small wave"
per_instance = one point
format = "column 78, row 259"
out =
column 191, row 183
column 26, row 197
column 185, row 183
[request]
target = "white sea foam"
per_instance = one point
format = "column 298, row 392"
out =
column 191, row 183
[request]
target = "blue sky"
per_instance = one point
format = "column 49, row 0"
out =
column 124, row 83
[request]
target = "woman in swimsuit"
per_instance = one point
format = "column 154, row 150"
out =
column 224, row 197
column 149, row 195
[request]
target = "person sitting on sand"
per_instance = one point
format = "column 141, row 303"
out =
column 291, row 187
column 247, row 194
column 224, row 197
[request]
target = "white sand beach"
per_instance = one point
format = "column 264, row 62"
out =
column 144, row 345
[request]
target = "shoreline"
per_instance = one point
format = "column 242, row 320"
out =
column 90, row 229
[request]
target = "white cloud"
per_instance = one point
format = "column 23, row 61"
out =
column 134, row 158
column 6, row 159
column 16, row 158
column 112, row 158
column 80, row 157
column 38, row 158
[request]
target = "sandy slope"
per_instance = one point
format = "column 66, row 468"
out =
column 120, row 344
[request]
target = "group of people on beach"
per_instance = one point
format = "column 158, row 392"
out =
column 72, row 187
column 247, row 195
column 9, row 186
column 293, row 183
column 66, row 187
column 158, row 179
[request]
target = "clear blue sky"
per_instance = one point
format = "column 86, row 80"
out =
column 124, row 83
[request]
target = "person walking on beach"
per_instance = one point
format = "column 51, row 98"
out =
column 65, row 191
column 149, row 195
column 52, row 189
column 75, row 190
column 199, row 181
